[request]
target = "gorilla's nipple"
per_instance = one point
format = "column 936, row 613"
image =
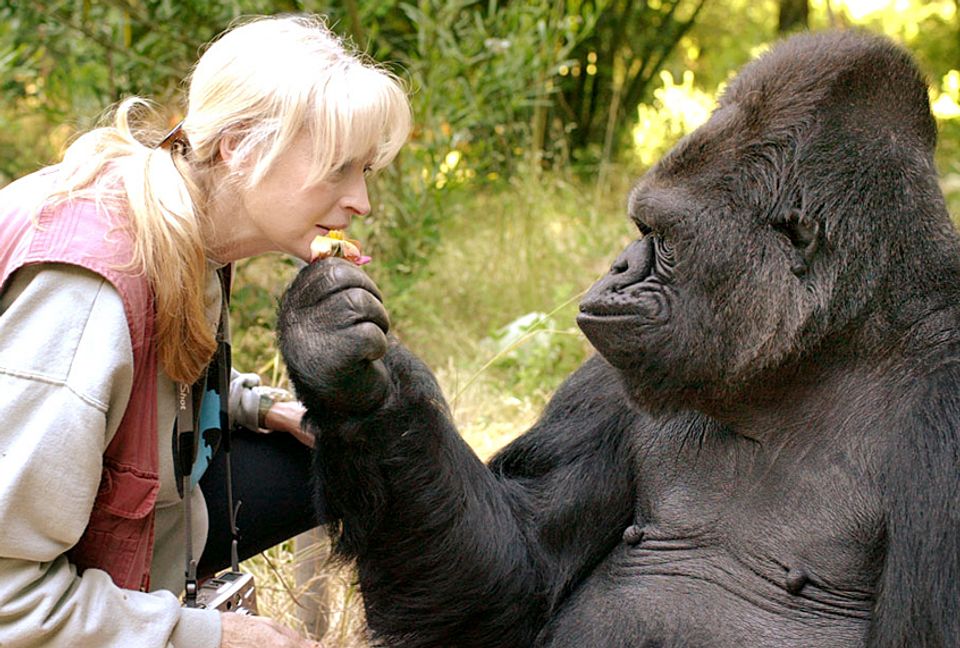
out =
column 633, row 534
column 796, row 579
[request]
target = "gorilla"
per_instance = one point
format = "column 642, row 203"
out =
column 763, row 452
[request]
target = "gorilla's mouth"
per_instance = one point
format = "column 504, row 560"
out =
column 615, row 337
column 605, row 319
column 643, row 302
column 617, row 320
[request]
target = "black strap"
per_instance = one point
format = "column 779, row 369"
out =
column 226, row 426
column 189, row 401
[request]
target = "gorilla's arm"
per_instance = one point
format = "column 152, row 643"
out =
column 919, row 587
column 452, row 552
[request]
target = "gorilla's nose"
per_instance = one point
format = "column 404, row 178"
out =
column 608, row 295
column 634, row 264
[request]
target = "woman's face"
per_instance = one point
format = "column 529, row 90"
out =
column 281, row 214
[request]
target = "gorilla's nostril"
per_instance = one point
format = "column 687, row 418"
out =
column 635, row 263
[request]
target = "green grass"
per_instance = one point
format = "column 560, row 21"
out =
column 532, row 246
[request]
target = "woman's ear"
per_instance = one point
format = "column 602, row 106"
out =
column 228, row 146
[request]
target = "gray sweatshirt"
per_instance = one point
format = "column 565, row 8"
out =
column 66, row 370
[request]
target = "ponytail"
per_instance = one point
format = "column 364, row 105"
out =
column 112, row 166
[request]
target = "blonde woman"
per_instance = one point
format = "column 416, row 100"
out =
column 109, row 309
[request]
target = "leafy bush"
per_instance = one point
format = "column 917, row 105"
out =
column 533, row 353
column 479, row 75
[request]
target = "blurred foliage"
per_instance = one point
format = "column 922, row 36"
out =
column 497, row 87
column 62, row 63
column 676, row 109
column 530, row 119
column 614, row 66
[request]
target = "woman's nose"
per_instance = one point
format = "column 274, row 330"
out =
column 357, row 200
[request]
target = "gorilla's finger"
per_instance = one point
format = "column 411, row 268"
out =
column 325, row 357
column 369, row 341
column 321, row 279
column 345, row 273
column 348, row 308
column 365, row 389
column 367, row 308
column 342, row 310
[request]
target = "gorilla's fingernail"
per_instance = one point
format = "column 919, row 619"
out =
column 633, row 534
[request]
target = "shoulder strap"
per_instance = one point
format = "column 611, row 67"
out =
column 190, row 399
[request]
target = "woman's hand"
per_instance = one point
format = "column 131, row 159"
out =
column 242, row 631
column 265, row 409
column 285, row 416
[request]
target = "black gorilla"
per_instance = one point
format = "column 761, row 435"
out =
column 764, row 453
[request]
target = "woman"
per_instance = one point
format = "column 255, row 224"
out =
column 110, row 302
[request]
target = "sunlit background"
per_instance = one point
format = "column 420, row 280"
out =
column 532, row 121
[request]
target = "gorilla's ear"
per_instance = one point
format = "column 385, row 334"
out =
column 803, row 234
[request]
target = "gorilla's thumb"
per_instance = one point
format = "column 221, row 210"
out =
column 360, row 389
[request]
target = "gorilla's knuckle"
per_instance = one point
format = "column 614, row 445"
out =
column 369, row 341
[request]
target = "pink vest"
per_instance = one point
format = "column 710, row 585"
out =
column 119, row 536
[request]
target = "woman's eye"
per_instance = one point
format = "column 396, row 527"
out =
column 349, row 167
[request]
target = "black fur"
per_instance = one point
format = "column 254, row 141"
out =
column 765, row 452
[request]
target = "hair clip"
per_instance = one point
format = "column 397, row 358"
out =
column 174, row 139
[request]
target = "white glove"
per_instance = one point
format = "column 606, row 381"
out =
column 244, row 401
column 249, row 401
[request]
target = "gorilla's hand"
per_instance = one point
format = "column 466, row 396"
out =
column 333, row 335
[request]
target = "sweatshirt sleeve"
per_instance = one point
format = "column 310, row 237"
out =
column 66, row 370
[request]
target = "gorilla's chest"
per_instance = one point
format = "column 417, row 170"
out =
column 739, row 545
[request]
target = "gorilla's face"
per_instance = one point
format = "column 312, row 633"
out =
column 717, row 287
column 787, row 228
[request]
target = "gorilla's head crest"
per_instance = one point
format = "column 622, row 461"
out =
column 791, row 222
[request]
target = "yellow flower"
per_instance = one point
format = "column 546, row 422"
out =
column 336, row 244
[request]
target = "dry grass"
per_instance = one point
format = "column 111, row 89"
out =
column 300, row 586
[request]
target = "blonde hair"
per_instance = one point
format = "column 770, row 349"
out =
column 265, row 82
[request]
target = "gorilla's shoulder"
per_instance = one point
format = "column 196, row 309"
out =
column 596, row 385
column 589, row 414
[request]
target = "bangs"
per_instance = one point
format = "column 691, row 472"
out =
column 347, row 106
column 365, row 119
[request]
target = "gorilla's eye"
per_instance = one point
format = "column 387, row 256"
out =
column 665, row 251
column 645, row 229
